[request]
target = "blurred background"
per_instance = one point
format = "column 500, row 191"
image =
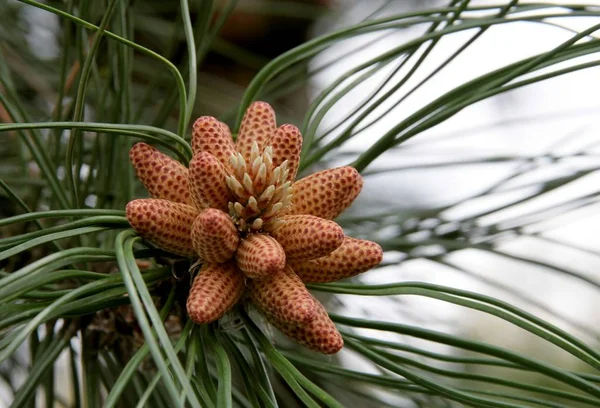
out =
column 500, row 199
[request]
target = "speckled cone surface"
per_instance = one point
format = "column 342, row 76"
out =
column 260, row 256
column 287, row 145
column 164, row 223
column 307, row 236
column 320, row 334
column 210, row 136
column 162, row 176
column 327, row 193
column 354, row 256
column 258, row 125
column 215, row 290
column 284, row 296
column 238, row 210
column 214, row 236
column 207, row 182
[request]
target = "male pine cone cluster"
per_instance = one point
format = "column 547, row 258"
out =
column 257, row 231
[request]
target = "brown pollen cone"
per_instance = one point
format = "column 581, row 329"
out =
column 210, row 136
column 215, row 290
column 260, row 256
column 284, row 296
column 354, row 256
column 164, row 223
column 258, row 125
column 207, row 182
column 320, row 334
column 327, row 193
column 307, row 236
column 214, row 236
column 287, row 145
column 162, row 176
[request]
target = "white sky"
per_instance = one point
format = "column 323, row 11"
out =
column 558, row 117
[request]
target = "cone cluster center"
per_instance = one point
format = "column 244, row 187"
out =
column 259, row 189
